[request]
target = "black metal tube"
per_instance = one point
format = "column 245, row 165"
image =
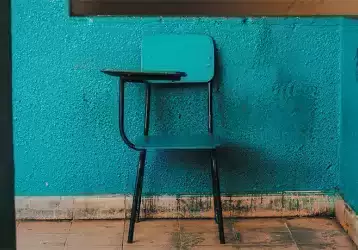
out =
column 137, row 196
column 214, row 186
column 147, row 108
column 210, row 107
column 143, row 153
column 217, row 196
column 142, row 157
column 121, row 115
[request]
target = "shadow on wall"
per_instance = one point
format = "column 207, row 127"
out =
column 239, row 166
column 246, row 166
column 271, row 128
column 280, row 111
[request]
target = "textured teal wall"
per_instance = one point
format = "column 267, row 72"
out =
column 349, row 122
column 278, row 100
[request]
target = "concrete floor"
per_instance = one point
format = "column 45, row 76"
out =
column 300, row 233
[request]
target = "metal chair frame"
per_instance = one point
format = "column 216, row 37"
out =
column 145, row 78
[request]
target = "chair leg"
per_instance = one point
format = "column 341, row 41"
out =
column 217, row 196
column 140, row 194
column 215, row 192
column 137, row 196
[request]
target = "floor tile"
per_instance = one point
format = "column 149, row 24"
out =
column 40, row 248
column 41, row 240
column 262, row 231
column 334, row 238
column 155, row 247
column 319, row 233
column 44, row 227
column 105, row 239
column 44, row 235
column 201, row 225
column 249, row 234
column 265, row 225
column 154, row 232
column 96, row 233
column 203, row 233
column 257, row 237
column 322, row 224
column 324, row 247
column 98, row 226
column 93, row 248
column 216, row 247
column 268, row 247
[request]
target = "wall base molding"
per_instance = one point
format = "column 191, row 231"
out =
column 348, row 219
column 284, row 204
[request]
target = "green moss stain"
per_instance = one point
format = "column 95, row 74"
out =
column 291, row 203
column 231, row 235
column 235, row 205
column 176, row 243
column 191, row 206
column 185, row 241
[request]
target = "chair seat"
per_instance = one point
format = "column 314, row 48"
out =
column 168, row 142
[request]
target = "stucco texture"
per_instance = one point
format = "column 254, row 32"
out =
column 277, row 100
column 349, row 119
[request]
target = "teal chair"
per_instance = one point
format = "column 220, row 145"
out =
column 174, row 60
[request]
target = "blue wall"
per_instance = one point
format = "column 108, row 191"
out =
column 278, row 100
column 349, row 123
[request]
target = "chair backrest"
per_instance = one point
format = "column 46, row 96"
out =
column 191, row 54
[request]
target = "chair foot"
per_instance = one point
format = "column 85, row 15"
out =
column 221, row 227
column 137, row 196
column 217, row 197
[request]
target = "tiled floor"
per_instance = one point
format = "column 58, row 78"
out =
column 250, row 234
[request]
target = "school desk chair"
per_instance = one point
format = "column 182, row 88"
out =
column 176, row 60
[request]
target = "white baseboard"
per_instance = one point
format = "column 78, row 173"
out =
column 284, row 204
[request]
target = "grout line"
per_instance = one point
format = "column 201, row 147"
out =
column 234, row 232
column 179, row 230
column 16, row 232
column 291, row 235
column 68, row 234
column 178, row 220
column 123, row 234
